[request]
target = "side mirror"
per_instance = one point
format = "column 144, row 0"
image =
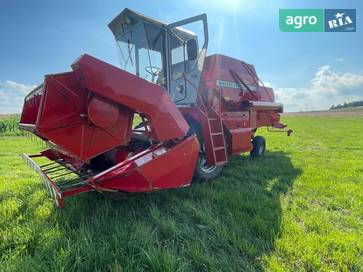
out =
column 192, row 49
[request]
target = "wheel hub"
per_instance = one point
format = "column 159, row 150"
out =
column 205, row 167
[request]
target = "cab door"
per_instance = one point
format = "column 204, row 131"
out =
column 185, row 60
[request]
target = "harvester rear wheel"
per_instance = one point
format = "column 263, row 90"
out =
column 204, row 172
column 259, row 147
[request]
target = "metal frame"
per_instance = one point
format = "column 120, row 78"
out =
column 202, row 53
column 57, row 191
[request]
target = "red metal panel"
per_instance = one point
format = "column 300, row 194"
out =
column 222, row 68
column 136, row 93
column 30, row 110
column 102, row 113
column 62, row 119
column 218, row 67
column 159, row 168
column 240, row 140
column 239, row 119
column 225, row 73
column 163, row 166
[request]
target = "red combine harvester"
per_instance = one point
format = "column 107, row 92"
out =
column 194, row 111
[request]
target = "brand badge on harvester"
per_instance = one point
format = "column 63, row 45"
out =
column 340, row 20
column 317, row 20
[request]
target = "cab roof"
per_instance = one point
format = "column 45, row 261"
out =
column 128, row 18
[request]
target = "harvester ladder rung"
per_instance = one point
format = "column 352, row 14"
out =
column 217, row 130
column 216, row 117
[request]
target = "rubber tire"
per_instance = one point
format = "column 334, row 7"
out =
column 259, row 147
column 201, row 176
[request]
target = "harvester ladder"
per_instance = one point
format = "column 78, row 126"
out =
column 215, row 128
column 216, row 133
column 217, row 139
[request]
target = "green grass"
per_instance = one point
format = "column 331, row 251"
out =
column 300, row 208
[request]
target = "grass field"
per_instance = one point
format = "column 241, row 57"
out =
column 300, row 208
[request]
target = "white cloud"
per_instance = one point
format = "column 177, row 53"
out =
column 325, row 89
column 12, row 95
column 17, row 87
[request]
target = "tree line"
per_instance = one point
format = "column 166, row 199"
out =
column 347, row 105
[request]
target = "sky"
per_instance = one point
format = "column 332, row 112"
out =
column 308, row 71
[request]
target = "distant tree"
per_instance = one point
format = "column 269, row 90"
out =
column 347, row 105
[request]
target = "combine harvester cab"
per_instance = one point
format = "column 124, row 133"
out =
column 193, row 112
